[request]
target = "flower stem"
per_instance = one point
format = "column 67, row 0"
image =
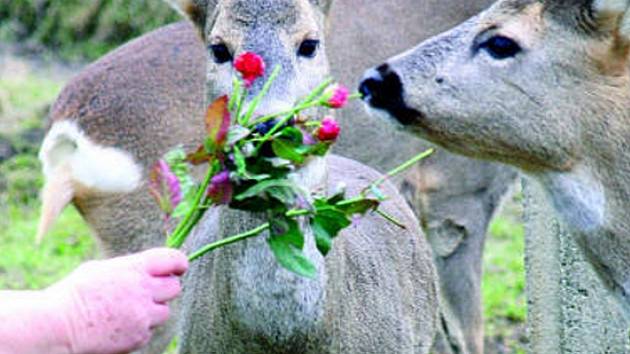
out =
column 401, row 168
column 317, row 91
column 228, row 241
column 177, row 238
column 290, row 113
column 391, row 219
column 256, row 101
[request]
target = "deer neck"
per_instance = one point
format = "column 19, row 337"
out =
column 264, row 296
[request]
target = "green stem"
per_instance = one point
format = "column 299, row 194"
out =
column 236, row 93
column 391, row 219
column 256, row 101
column 177, row 238
column 355, row 96
column 317, row 91
column 401, row 168
column 290, row 113
column 304, row 104
column 228, row 241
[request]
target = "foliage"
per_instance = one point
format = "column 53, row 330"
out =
column 503, row 286
column 81, row 28
column 24, row 265
column 252, row 166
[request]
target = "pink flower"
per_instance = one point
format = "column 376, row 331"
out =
column 329, row 130
column 336, row 97
column 221, row 190
column 165, row 187
column 251, row 66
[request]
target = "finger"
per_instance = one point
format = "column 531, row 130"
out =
column 166, row 288
column 159, row 315
column 164, row 261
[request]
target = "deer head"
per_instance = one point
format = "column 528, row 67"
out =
column 286, row 33
column 539, row 85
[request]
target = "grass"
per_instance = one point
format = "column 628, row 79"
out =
column 503, row 287
column 23, row 265
column 23, row 101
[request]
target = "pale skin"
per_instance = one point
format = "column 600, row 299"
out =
column 109, row 306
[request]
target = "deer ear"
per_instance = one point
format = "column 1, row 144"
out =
column 614, row 15
column 195, row 10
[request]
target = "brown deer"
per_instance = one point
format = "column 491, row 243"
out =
column 129, row 103
column 375, row 292
column 100, row 160
column 540, row 85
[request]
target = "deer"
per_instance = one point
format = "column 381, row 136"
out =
column 122, row 112
column 539, row 85
column 375, row 292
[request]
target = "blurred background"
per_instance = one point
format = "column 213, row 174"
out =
column 43, row 43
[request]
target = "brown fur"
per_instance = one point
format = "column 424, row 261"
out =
column 571, row 134
column 459, row 208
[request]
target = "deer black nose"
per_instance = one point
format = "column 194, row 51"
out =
column 382, row 88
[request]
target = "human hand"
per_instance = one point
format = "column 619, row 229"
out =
column 112, row 306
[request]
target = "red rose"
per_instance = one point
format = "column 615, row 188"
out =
column 329, row 130
column 251, row 66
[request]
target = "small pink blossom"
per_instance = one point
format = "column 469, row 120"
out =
column 221, row 190
column 251, row 66
column 165, row 187
column 336, row 97
column 329, row 130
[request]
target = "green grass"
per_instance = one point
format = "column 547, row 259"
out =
column 24, row 92
column 24, row 100
column 503, row 286
column 24, row 265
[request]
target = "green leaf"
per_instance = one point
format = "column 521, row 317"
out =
column 326, row 225
column 336, row 198
column 239, row 160
column 286, row 247
column 285, row 195
column 292, row 134
column 359, row 207
column 319, row 149
column 236, row 134
column 263, row 186
column 289, row 229
column 288, row 150
column 323, row 240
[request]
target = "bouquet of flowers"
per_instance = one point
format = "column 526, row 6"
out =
column 251, row 166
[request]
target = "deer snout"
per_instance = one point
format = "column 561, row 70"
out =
column 382, row 89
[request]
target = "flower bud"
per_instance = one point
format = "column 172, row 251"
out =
column 329, row 130
column 336, row 97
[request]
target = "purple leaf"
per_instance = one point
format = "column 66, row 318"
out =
column 165, row 187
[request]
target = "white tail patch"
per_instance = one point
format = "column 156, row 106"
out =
column 70, row 160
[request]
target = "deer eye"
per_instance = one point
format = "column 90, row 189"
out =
column 500, row 47
column 221, row 53
column 308, row 48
